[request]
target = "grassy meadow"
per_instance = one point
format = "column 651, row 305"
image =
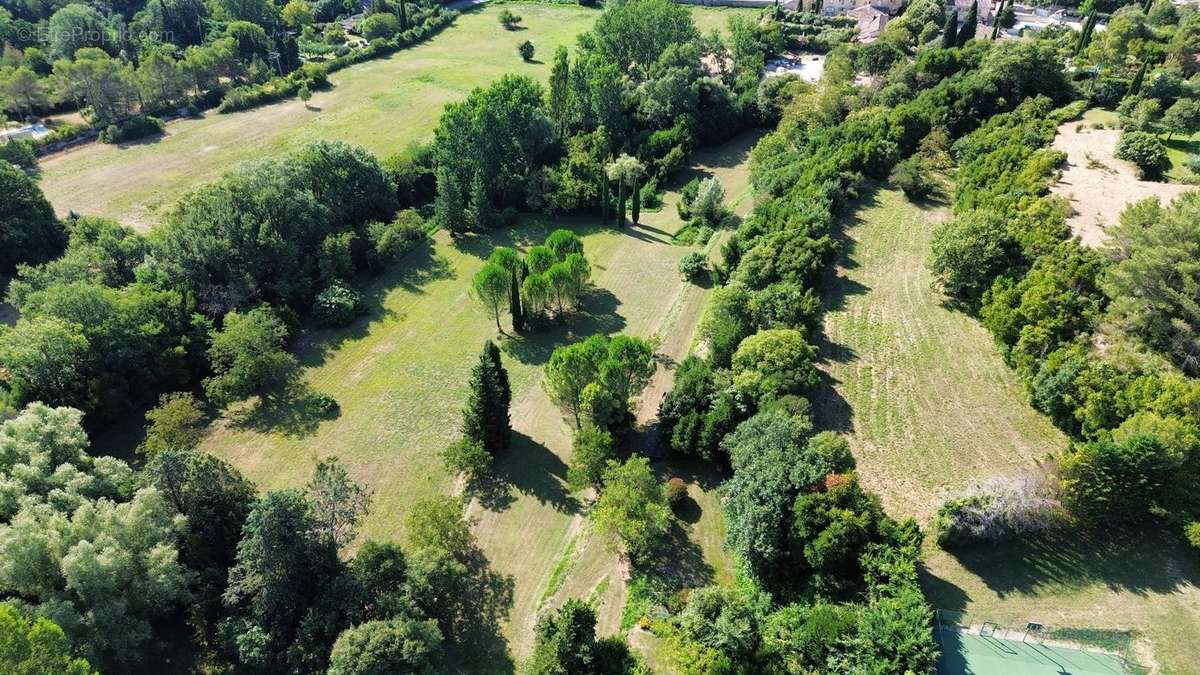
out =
column 929, row 406
column 399, row 375
column 382, row 105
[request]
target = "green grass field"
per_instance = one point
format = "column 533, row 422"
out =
column 382, row 105
column 1179, row 148
column 399, row 377
column 929, row 405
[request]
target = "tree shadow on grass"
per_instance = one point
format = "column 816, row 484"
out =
column 678, row 559
column 597, row 313
column 294, row 410
column 476, row 642
column 532, row 230
column 416, row 270
column 1143, row 563
column 528, row 468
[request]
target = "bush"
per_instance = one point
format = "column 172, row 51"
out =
column 676, row 491
column 910, row 177
column 509, row 19
column 1145, row 151
column 19, row 153
column 998, row 509
column 131, row 129
column 1192, row 532
column 392, row 241
column 525, row 49
column 380, row 26
column 693, row 265
column 337, row 305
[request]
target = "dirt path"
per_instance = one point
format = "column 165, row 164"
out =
column 1099, row 185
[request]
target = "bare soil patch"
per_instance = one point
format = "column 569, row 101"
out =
column 1099, row 185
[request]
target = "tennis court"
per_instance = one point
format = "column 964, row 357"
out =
column 964, row 653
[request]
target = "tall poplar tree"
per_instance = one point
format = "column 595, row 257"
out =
column 560, row 90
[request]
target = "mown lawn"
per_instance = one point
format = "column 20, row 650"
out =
column 399, row 377
column 382, row 105
column 929, row 405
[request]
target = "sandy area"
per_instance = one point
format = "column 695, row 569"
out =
column 1098, row 184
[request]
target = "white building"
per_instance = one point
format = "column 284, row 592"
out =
column 985, row 14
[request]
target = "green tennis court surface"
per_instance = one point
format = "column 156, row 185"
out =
column 965, row 653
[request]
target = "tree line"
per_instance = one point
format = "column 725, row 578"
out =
column 820, row 555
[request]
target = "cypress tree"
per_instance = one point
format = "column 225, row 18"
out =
column 950, row 31
column 603, row 198
column 621, row 201
column 403, row 16
column 969, row 24
column 514, row 299
column 1136, row 85
column 485, row 416
column 637, row 199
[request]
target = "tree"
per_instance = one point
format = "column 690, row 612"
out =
column 436, row 523
column 335, row 503
column 525, row 49
column 637, row 33
column 248, row 356
column 559, row 96
column 950, row 31
column 490, row 288
column 593, row 448
column 563, row 243
column 486, row 414
column 1111, row 483
column 1183, row 117
column 76, row 26
column 398, row 645
column 626, row 171
column 632, row 509
column 281, row 569
column 47, row 359
column 1135, row 86
column 380, row 26
column 595, row 379
column 970, row 24
column 967, row 253
column 29, row 232
column 304, row 94
column 774, row 363
column 565, row 644
column 216, row 499
column 1149, row 285
column 468, row 458
column 21, row 90
column 511, row 261
column 297, row 14
column 37, row 647
column 176, row 424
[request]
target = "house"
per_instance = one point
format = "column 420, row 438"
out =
column 844, row 7
column 870, row 22
column 986, row 9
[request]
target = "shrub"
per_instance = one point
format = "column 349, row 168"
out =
column 1193, row 163
column 1105, row 482
column 131, row 129
column 467, row 457
column 380, row 26
column 1192, row 532
column 997, row 509
column 509, row 19
column 676, row 491
column 909, row 176
column 693, row 265
column 1145, row 151
column 392, row 241
column 525, row 49
column 337, row 305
